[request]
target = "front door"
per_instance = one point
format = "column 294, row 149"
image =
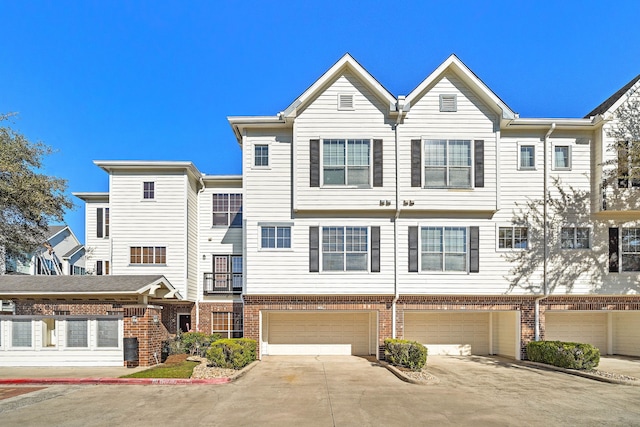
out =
column 184, row 322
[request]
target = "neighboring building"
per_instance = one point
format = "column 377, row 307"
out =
column 441, row 217
column 61, row 254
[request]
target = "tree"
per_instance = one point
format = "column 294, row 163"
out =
column 29, row 200
column 625, row 145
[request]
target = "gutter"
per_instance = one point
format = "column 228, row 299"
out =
column 545, row 278
column 402, row 108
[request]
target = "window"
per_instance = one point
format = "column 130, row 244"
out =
column 102, row 226
column 448, row 103
column 107, row 332
column 227, row 210
column 561, row 157
column 276, row 237
column 21, row 335
column 346, row 161
column 227, row 273
column 78, row 271
column 444, row 248
column 527, row 157
column 148, row 191
column 513, row 238
column 630, row 249
column 229, row 325
column 447, row 163
column 574, row 238
column 102, row 268
column 77, row 334
column 261, row 155
column 345, row 248
column 148, row 255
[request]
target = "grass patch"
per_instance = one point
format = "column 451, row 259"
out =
column 181, row 369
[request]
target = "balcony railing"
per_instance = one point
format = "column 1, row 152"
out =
column 222, row 283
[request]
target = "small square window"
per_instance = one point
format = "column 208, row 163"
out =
column 148, row 190
column 527, row 157
column 448, row 103
column 261, row 155
column 561, row 157
column 276, row 237
column 513, row 238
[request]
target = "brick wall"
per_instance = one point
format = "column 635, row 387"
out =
column 253, row 304
column 145, row 323
column 170, row 315
column 206, row 308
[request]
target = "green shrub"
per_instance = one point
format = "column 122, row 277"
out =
column 409, row 354
column 192, row 343
column 569, row 355
column 234, row 353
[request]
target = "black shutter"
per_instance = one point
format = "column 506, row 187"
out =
column 98, row 268
column 614, row 263
column 377, row 163
column 375, row 249
column 623, row 164
column 100, row 223
column 479, row 162
column 416, row 163
column 314, row 249
column 474, row 249
column 413, row 249
column 314, row 162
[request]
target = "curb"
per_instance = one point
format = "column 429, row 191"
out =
column 579, row 373
column 398, row 373
column 118, row 381
column 243, row 371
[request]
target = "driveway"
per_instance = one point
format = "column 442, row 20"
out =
column 344, row 391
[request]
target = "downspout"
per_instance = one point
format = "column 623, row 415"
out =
column 396, row 292
column 197, row 296
column 545, row 228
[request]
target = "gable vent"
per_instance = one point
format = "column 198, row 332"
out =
column 345, row 101
column 448, row 103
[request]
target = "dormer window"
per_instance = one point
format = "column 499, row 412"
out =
column 448, row 103
column 345, row 101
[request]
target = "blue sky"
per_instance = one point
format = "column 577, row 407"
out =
column 155, row 80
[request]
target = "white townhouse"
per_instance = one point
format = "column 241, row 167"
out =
column 440, row 216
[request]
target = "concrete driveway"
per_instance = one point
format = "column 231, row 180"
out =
column 343, row 391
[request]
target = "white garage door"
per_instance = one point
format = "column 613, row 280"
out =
column 449, row 333
column 626, row 333
column 582, row 327
column 318, row 333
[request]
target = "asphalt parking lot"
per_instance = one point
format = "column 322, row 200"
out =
column 342, row 391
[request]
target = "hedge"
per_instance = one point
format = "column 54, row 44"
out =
column 569, row 355
column 408, row 354
column 234, row 353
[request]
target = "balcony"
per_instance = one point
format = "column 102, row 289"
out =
column 222, row 283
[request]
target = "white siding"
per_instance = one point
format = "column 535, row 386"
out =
column 192, row 240
column 472, row 121
column 157, row 222
column 97, row 248
column 322, row 119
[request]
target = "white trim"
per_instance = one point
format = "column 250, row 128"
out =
column 498, row 226
column 253, row 165
column 519, row 153
column 344, row 96
column 369, row 185
column 467, row 250
column 569, row 154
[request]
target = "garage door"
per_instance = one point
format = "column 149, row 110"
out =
column 626, row 333
column 318, row 333
column 583, row 327
column 449, row 333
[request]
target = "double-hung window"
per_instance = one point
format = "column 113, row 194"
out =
column 261, row 155
column 527, row 157
column 447, row 163
column 346, row 162
column 574, row 238
column 513, row 238
column 345, row 248
column 148, row 190
column 628, row 164
column 444, row 248
column 630, row 249
column 561, row 157
column 227, row 210
column 102, row 220
column 275, row 237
